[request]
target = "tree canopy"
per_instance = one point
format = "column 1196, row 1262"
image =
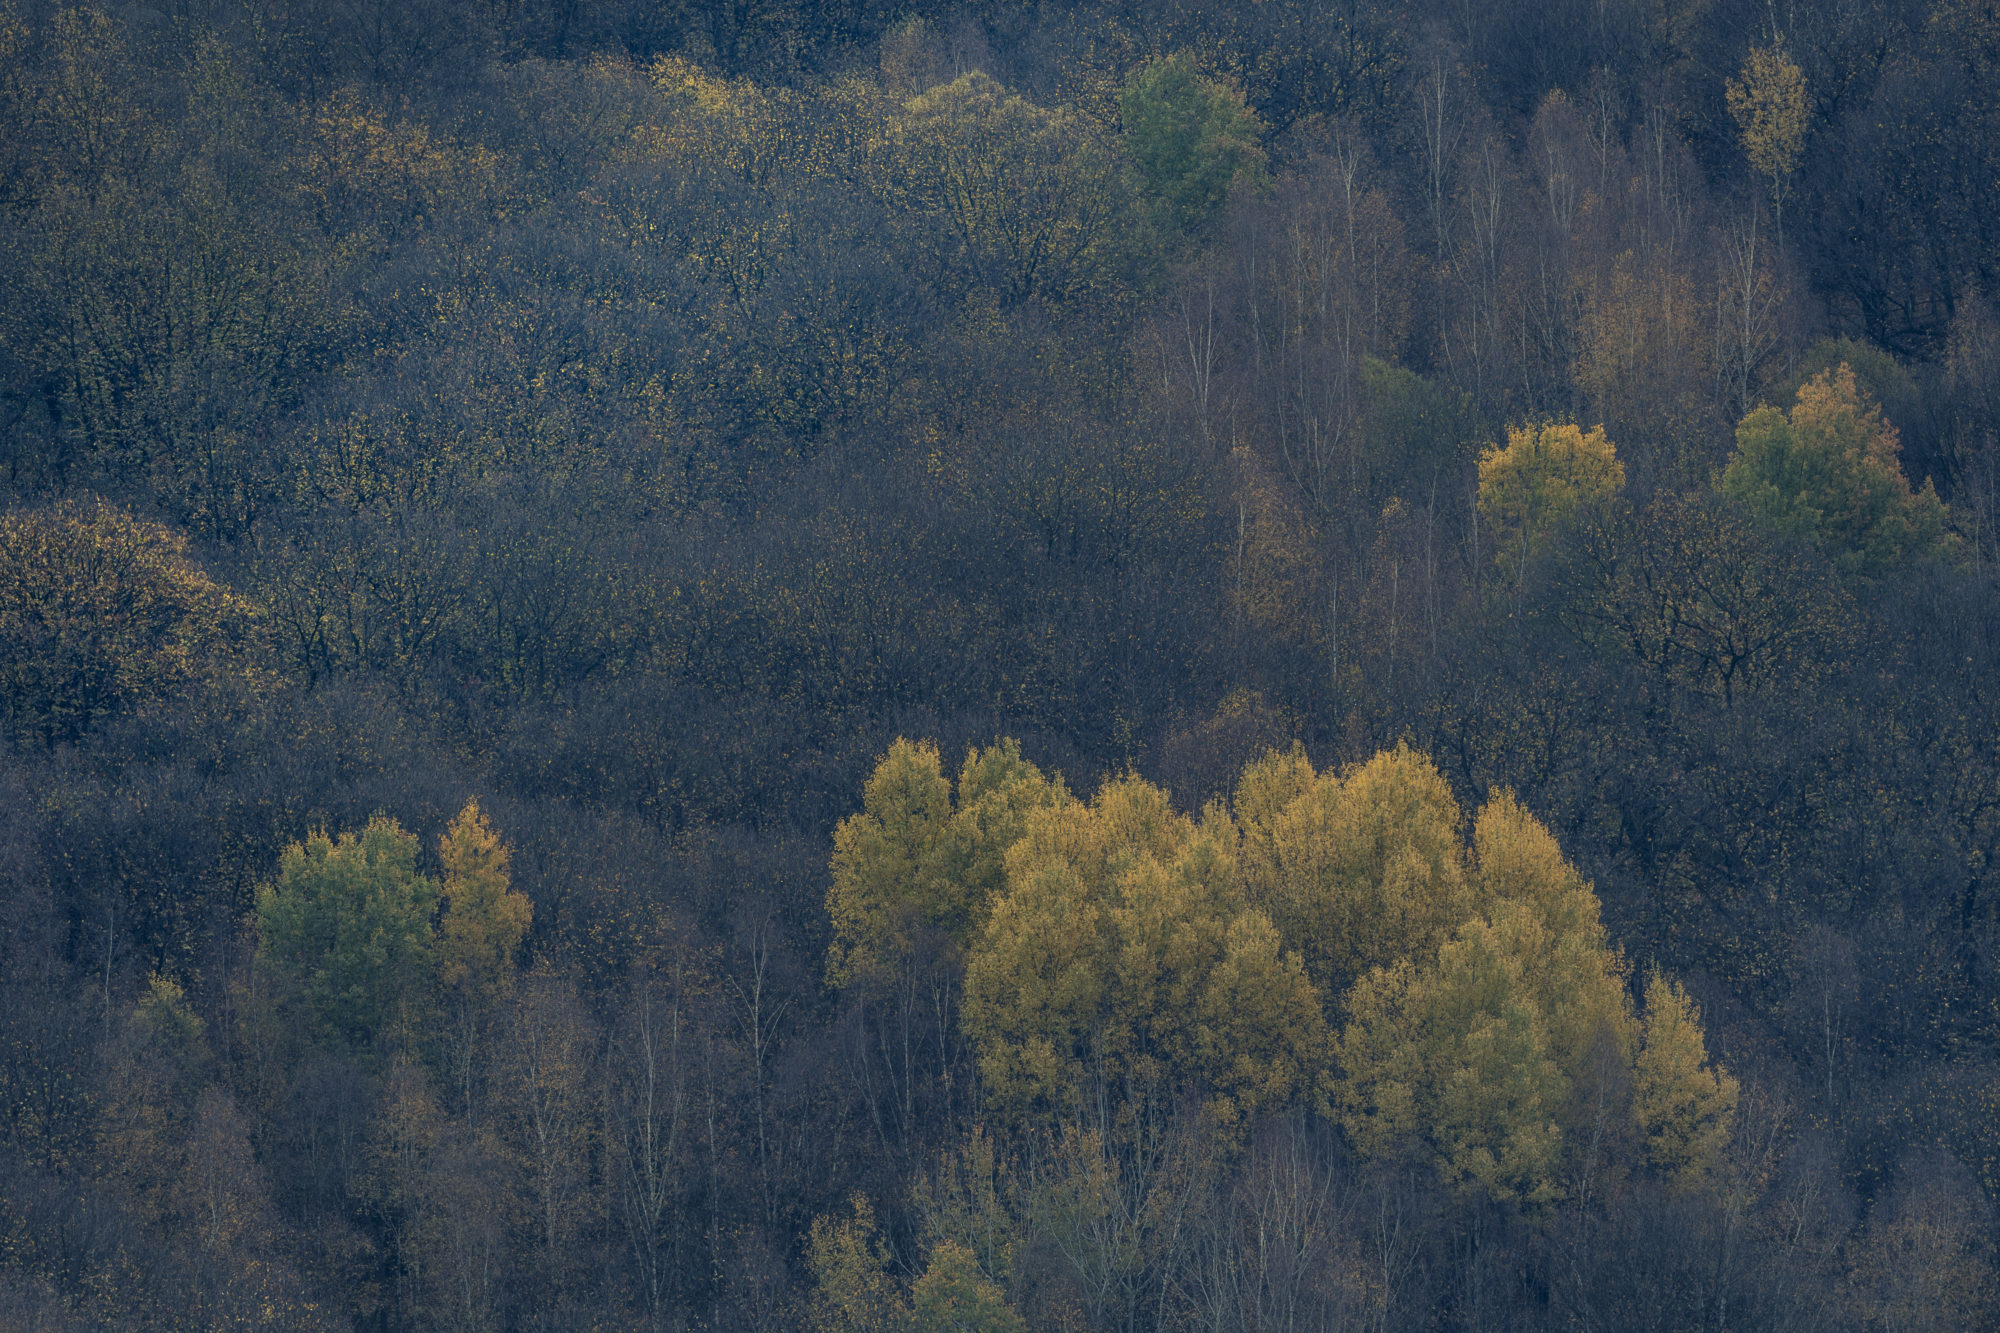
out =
column 1828, row 471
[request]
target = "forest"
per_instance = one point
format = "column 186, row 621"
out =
column 889, row 666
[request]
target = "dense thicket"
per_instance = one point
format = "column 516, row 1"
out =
column 497, row 497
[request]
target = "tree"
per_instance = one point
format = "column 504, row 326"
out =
column 1829, row 473
column 546, row 1107
column 1545, row 474
column 1768, row 100
column 1698, row 599
column 1009, row 200
column 1926, row 1260
column 483, row 924
column 484, row 920
column 918, row 858
column 1122, row 963
column 1492, row 1052
column 1190, row 138
column 100, row 611
column 1357, row 868
column 1456, row 1055
column 157, row 1065
column 1683, row 1103
column 346, row 926
column 954, row 1296
column 853, row 1290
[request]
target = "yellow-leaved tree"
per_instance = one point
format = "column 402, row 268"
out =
column 1490, row 1051
column 854, row 1292
column 1683, row 1104
column 1132, row 954
column 1122, row 964
column 1545, row 474
column 1356, row 868
column 1768, row 100
column 922, row 860
column 484, row 919
column 481, row 932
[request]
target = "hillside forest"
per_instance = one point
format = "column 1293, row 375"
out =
column 904, row 666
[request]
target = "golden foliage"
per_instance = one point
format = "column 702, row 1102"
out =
column 1682, row 1102
column 916, row 859
column 1768, row 100
column 484, row 920
column 1544, row 475
column 407, row 174
column 1358, row 867
column 1122, row 956
column 954, row 1296
column 853, row 1291
column 1475, row 1047
column 1641, row 356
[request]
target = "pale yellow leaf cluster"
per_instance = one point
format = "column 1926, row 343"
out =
column 1545, row 473
column 1768, row 100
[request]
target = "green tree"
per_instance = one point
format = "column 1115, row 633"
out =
column 1190, row 138
column 1545, row 474
column 1829, row 472
column 346, row 927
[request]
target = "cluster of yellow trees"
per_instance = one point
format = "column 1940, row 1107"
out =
column 1827, row 472
column 1332, row 940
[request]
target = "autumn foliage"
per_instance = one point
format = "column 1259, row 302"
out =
column 1126, row 667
